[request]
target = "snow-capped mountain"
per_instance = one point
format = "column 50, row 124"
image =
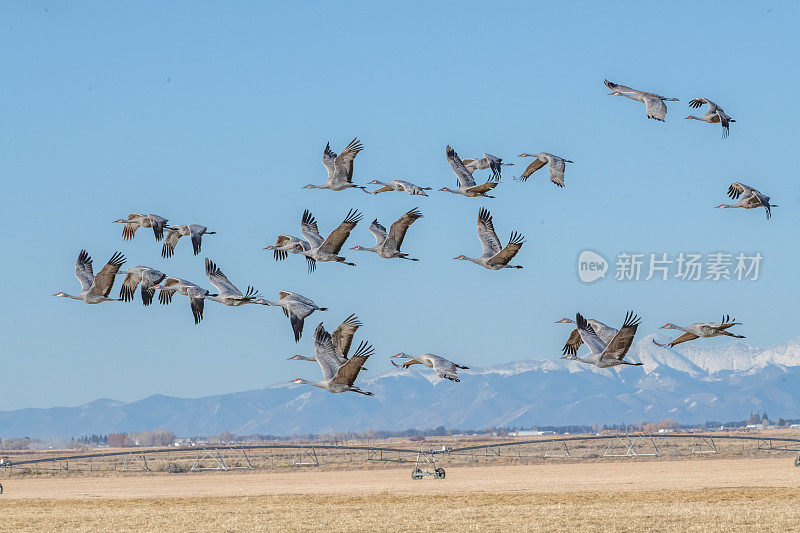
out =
column 691, row 384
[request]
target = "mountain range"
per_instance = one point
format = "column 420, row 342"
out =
column 691, row 384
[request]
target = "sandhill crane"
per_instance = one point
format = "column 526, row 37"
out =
column 494, row 258
column 487, row 161
column 325, row 249
column 342, row 338
column 137, row 220
column 340, row 168
column 285, row 244
column 464, row 179
column 574, row 342
column 195, row 231
column 609, row 354
column 228, row 293
column 701, row 329
column 400, row 186
column 751, row 198
column 714, row 115
column 444, row 368
column 654, row 103
column 147, row 277
column 170, row 286
column 387, row 245
column 336, row 377
column 556, row 164
column 296, row 307
column 95, row 289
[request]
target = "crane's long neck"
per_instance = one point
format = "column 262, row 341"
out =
column 304, row 358
column 367, row 249
column 583, row 360
column 318, row 384
column 474, row 260
column 447, row 189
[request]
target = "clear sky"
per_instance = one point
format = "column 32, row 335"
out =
column 218, row 114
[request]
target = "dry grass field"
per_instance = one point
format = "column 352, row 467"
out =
column 688, row 495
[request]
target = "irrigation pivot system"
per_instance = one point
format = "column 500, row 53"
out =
column 231, row 457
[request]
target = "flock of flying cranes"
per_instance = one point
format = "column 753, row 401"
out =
column 608, row 346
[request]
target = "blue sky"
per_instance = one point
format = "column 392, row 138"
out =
column 218, row 115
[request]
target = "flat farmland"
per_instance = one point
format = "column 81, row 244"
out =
column 689, row 495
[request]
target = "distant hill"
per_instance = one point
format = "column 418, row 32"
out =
column 692, row 385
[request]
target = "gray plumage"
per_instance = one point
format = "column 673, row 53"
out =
column 444, row 368
column 494, row 257
column 556, row 164
column 138, row 220
column 464, row 180
column 387, row 244
column 654, row 103
column 95, row 288
column 714, row 115
column 174, row 233
column 296, row 307
column 147, row 277
column 339, row 167
column 750, row 198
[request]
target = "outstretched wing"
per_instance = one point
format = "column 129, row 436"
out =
column 129, row 284
column 588, row 336
column 377, row 229
column 463, row 176
column 348, row 372
column 343, row 335
column 220, row 280
column 533, row 167
column 557, row 167
column 196, row 233
column 507, row 254
column 495, row 165
column 104, row 279
column 655, row 106
column 573, row 343
column 329, row 159
column 397, row 231
column 491, row 244
column 129, row 228
column 83, row 270
column 728, row 322
column 325, row 353
column 683, row 338
column 617, row 87
column 343, row 166
column 736, row 189
column 622, row 341
column 309, row 229
column 170, row 241
column 698, row 102
column 158, row 224
column 333, row 244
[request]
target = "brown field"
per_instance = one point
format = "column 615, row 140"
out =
column 689, row 495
